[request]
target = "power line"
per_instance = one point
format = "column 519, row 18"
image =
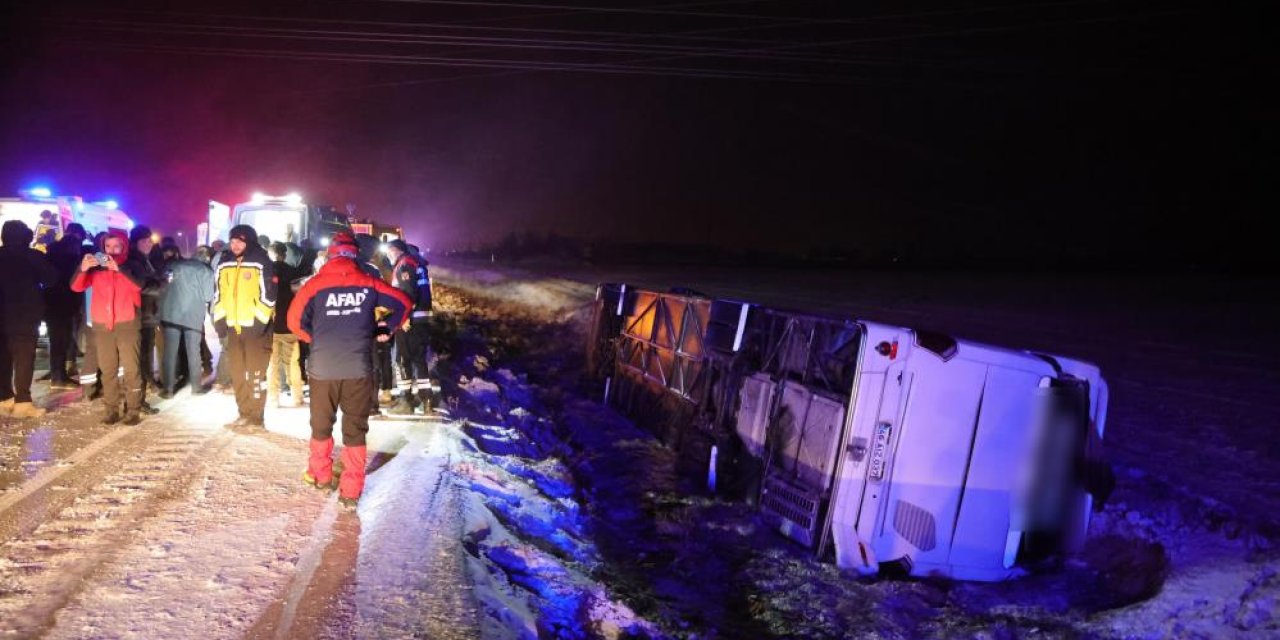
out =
column 479, row 42
column 660, row 11
column 651, row 11
column 483, row 63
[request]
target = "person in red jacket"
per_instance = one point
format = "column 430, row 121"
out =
column 115, row 298
column 335, row 313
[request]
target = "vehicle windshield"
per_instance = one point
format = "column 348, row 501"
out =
column 279, row 224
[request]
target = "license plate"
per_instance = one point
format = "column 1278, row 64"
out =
column 879, row 449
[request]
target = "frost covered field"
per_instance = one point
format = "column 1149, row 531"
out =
column 1186, row 546
column 522, row 508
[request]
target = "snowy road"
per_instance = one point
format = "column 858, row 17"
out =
column 180, row 528
column 519, row 519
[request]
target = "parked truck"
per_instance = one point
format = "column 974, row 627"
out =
column 383, row 232
column 891, row 450
column 282, row 218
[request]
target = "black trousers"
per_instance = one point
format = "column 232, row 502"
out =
column 248, row 354
column 147, row 357
column 60, row 324
column 89, row 366
column 353, row 397
column 413, row 351
column 17, row 364
column 382, row 364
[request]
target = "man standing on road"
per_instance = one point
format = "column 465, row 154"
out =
column 115, row 296
column 335, row 312
column 183, row 307
column 142, row 269
column 285, row 361
column 62, row 305
column 409, row 275
column 244, row 300
column 23, row 273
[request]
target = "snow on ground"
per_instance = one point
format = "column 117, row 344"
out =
column 524, row 509
column 196, row 531
column 1186, row 547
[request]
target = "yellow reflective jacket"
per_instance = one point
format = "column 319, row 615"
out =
column 246, row 290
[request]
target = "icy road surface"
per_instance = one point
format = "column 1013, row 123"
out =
column 180, row 528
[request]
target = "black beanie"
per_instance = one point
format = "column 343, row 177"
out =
column 139, row 232
column 244, row 233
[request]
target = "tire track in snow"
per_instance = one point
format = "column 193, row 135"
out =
column 411, row 575
column 44, row 570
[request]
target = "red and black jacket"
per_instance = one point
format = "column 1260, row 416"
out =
column 334, row 311
column 410, row 277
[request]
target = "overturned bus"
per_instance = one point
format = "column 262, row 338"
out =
column 895, row 451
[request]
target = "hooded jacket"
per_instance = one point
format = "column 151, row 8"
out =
column 335, row 312
column 114, row 296
column 24, row 272
column 245, row 286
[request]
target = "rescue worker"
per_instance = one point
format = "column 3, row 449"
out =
column 115, row 298
column 409, row 275
column 383, row 371
column 243, row 303
column 23, row 273
column 335, row 312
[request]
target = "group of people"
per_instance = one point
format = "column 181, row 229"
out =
column 278, row 309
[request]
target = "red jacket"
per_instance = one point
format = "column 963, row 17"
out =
column 337, row 312
column 113, row 296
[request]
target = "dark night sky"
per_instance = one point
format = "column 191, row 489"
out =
column 1083, row 129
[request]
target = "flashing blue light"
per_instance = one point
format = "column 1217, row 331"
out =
column 41, row 192
column 111, row 204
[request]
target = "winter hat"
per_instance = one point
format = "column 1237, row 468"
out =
column 244, row 233
column 343, row 249
column 16, row 233
column 398, row 245
column 139, row 232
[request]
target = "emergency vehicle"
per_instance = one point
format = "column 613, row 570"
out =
column 282, row 219
column 48, row 215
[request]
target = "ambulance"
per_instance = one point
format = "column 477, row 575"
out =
column 48, row 215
